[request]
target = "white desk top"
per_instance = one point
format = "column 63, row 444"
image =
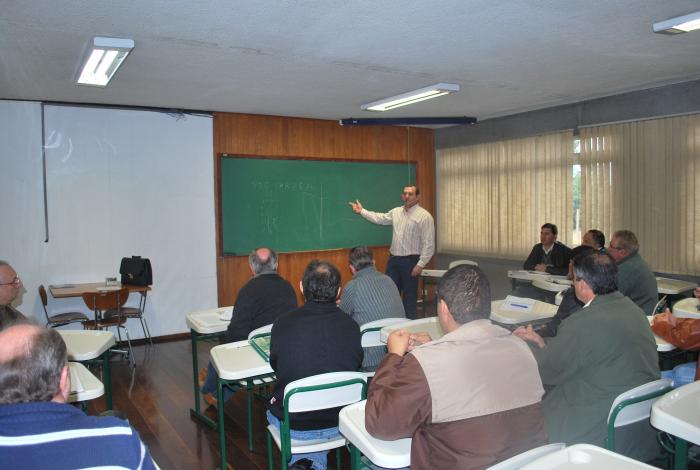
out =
column 686, row 308
column 666, row 285
column 552, row 285
column 86, row 387
column 541, row 311
column 533, row 275
column 238, row 361
column 388, row 454
column 584, row 456
column 208, row 321
column 436, row 273
column 84, row 345
column 677, row 412
column 428, row 325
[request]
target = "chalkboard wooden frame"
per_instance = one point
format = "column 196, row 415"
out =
column 242, row 195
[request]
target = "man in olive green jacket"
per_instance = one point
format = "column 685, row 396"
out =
column 635, row 278
column 599, row 353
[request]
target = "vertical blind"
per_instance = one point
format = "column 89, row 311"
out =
column 493, row 197
column 645, row 176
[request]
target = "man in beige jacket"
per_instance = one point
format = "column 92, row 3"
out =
column 469, row 399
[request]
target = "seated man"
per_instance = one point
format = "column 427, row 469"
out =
column 549, row 255
column 10, row 285
column 314, row 339
column 635, row 278
column 260, row 301
column 37, row 428
column 569, row 303
column 598, row 353
column 469, row 399
column 595, row 239
column 370, row 296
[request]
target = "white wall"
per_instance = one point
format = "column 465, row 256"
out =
column 120, row 183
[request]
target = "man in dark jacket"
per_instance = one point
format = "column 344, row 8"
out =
column 259, row 303
column 314, row 339
column 549, row 255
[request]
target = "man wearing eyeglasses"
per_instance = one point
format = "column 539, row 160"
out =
column 635, row 278
column 10, row 285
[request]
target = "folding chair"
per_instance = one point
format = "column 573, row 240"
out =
column 108, row 313
column 59, row 319
column 634, row 406
column 318, row 392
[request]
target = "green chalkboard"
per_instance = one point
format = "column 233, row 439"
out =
column 302, row 205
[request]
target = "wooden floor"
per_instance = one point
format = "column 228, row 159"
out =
column 156, row 398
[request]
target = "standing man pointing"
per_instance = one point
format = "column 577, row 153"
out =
column 412, row 243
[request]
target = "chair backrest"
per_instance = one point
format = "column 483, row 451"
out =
column 109, row 300
column 526, row 457
column 263, row 330
column 634, row 405
column 457, row 262
column 44, row 300
column 370, row 331
column 323, row 391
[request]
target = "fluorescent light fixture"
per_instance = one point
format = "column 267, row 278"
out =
column 426, row 93
column 106, row 55
column 679, row 24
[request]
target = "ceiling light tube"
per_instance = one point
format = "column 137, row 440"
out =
column 679, row 24
column 106, row 55
column 426, row 93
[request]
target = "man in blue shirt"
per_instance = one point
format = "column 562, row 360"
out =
column 38, row 429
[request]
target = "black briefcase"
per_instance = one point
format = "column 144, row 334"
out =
column 136, row 271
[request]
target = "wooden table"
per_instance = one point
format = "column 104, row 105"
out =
column 62, row 291
column 87, row 346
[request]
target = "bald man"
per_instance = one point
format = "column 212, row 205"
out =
column 260, row 301
column 10, row 285
column 38, row 430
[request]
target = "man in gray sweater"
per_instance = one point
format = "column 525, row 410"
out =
column 370, row 296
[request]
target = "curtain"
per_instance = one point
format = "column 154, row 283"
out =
column 493, row 197
column 645, row 176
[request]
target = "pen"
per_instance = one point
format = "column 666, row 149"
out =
column 519, row 305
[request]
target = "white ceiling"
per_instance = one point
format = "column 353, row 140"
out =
column 325, row 58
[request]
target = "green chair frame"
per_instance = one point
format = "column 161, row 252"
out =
column 285, row 437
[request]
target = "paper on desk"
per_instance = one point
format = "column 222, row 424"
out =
column 76, row 386
column 227, row 314
column 518, row 304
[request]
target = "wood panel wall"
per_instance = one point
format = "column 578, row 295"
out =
column 274, row 136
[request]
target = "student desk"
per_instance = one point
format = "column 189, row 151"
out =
column 552, row 285
column 87, row 346
column 541, row 311
column 84, row 385
column 686, row 308
column 205, row 325
column 235, row 362
column 667, row 286
column 387, row 454
column 677, row 414
column 582, row 457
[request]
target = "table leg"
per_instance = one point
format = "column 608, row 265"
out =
column 355, row 457
column 249, row 403
column 220, row 412
column 107, row 377
column 423, row 296
column 680, row 462
column 197, row 412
